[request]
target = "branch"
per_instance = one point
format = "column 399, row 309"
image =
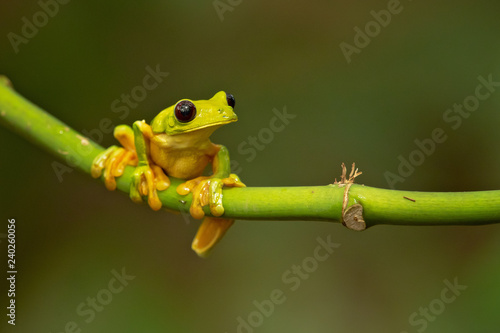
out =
column 319, row 203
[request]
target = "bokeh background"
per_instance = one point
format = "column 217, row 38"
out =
column 72, row 234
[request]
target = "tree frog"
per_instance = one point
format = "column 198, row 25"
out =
column 177, row 144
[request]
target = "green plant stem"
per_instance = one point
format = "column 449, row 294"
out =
column 320, row 203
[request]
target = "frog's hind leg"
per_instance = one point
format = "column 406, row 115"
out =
column 211, row 231
column 125, row 135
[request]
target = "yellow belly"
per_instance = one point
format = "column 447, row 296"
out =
column 181, row 163
column 183, row 156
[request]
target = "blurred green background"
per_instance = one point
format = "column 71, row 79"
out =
column 72, row 234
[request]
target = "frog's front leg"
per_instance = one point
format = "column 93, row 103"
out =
column 147, row 177
column 208, row 191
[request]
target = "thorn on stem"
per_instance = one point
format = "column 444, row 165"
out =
column 353, row 218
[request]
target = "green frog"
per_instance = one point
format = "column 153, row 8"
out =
column 177, row 144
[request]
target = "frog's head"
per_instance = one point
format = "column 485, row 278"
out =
column 187, row 115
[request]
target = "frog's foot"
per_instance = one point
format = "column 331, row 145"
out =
column 146, row 181
column 200, row 188
column 210, row 233
column 113, row 161
column 233, row 181
column 207, row 191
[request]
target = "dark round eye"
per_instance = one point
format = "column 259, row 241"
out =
column 230, row 100
column 185, row 111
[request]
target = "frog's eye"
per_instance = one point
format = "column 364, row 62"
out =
column 230, row 100
column 185, row 111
